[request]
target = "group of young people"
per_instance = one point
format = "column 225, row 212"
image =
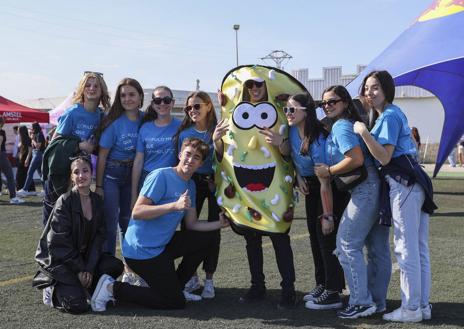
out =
column 155, row 172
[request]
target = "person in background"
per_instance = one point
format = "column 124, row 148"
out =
column 417, row 141
column 151, row 243
column 34, row 163
column 5, row 167
column 24, row 152
column 461, row 151
column 118, row 139
column 69, row 252
column 407, row 195
column 155, row 147
column 200, row 122
column 452, row 156
column 74, row 133
column 359, row 225
column 16, row 142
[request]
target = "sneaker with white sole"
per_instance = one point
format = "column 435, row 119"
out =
column 22, row 193
column 356, row 311
column 426, row 312
column 208, row 289
column 315, row 293
column 189, row 297
column 41, row 194
column 404, row 315
column 192, row 284
column 134, row 280
column 47, row 296
column 16, row 200
column 101, row 296
column 328, row 300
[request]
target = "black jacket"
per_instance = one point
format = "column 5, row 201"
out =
column 58, row 253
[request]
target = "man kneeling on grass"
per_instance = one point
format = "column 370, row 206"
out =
column 151, row 242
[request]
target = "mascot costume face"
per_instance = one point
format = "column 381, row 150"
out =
column 254, row 182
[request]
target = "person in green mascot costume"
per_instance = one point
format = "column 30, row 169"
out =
column 254, row 183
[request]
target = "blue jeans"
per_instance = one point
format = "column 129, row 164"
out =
column 117, row 201
column 411, row 235
column 359, row 227
column 36, row 164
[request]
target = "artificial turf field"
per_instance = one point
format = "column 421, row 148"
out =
column 21, row 305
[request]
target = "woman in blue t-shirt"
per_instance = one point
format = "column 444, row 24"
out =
column 409, row 191
column 155, row 147
column 359, row 226
column 307, row 139
column 200, row 122
column 119, row 131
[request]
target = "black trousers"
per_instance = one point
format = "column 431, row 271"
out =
column 73, row 298
column 327, row 269
column 21, row 174
column 204, row 192
column 284, row 257
column 49, row 200
column 165, row 282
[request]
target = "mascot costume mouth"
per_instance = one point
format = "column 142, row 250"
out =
column 254, row 182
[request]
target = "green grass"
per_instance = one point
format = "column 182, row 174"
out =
column 21, row 305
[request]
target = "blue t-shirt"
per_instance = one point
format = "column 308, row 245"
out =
column 76, row 121
column 207, row 167
column 146, row 239
column 157, row 145
column 341, row 139
column 391, row 127
column 121, row 137
column 304, row 164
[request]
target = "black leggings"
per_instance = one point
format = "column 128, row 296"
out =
column 328, row 271
column 72, row 298
column 165, row 282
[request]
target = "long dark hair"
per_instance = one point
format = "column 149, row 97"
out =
column 211, row 120
column 25, row 142
column 116, row 109
column 150, row 113
column 313, row 128
column 350, row 112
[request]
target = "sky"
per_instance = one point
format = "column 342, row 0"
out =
column 47, row 45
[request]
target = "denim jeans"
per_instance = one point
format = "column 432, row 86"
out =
column 36, row 164
column 359, row 227
column 117, row 201
column 411, row 234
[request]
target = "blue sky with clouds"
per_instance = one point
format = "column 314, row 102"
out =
column 46, row 45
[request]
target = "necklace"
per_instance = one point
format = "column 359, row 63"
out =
column 83, row 194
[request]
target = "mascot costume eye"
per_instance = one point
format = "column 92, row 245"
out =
column 254, row 182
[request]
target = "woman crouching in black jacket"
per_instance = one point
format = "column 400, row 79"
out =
column 70, row 249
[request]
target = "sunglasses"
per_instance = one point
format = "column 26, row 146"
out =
column 249, row 84
column 195, row 107
column 92, row 72
column 332, row 102
column 166, row 100
column 82, row 156
column 292, row 110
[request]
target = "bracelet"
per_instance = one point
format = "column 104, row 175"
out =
column 328, row 217
column 328, row 169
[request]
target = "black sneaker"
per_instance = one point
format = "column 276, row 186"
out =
column 356, row 311
column 328, row 300
column 313, row 294
column 287, row 300
column 253, row 294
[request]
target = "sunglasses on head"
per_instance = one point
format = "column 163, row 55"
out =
column 329, row 103
column 195, row 107
column 82, row 156
column 249, row 84
column 92, row 72
column 292, row 110
column 166, row 100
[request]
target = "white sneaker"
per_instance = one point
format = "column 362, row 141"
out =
column 47, row 294
column 22, row 193
column 41, row 194
column 16, row 200
column 192, row 284
column 134, row 280
column 189, row 297
column 404, row 315
column 208, row 289
column 426, row 312
column 101, row 295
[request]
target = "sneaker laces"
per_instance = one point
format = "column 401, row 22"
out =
column 317, row 290
column 322, row 297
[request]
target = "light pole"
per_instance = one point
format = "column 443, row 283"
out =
column 236, row 27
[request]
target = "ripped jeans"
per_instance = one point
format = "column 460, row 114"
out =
column 359, row 227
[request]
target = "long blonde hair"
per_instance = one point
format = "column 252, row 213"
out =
column 79, row 94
